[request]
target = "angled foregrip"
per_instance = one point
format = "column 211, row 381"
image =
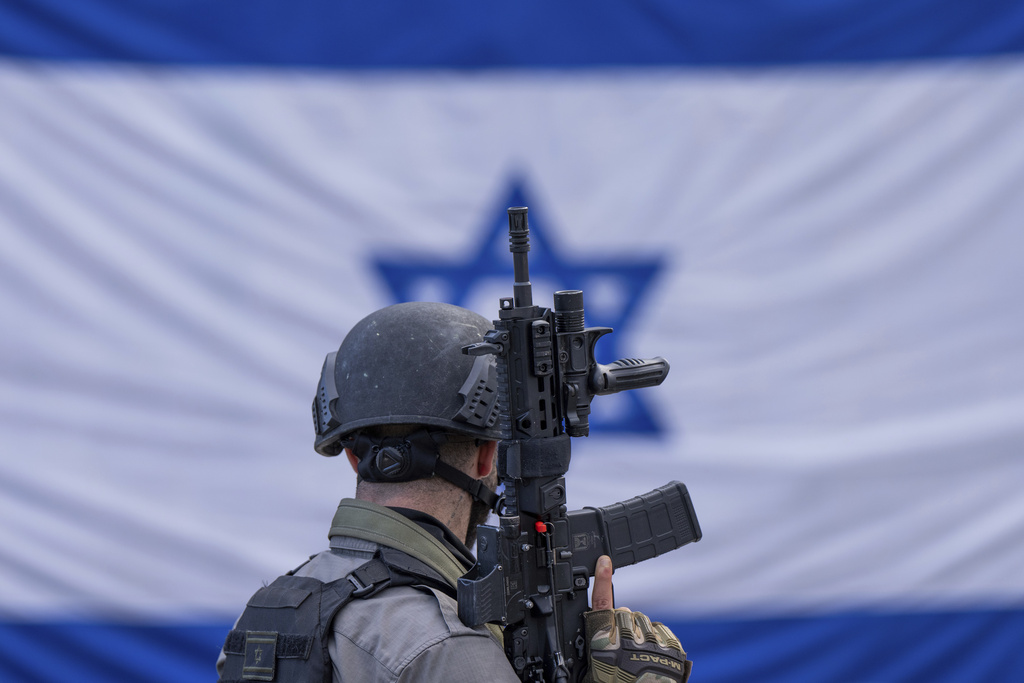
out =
column 628, row 373
column 634, row 530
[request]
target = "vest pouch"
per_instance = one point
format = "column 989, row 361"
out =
column 276, row 635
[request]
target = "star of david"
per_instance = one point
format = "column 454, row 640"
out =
column 613, row 286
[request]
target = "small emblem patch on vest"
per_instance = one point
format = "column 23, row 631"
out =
column 260, row 655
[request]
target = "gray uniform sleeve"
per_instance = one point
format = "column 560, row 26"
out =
column 462, row 659
column 407, row 634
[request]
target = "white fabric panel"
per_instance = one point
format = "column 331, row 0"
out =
column 841, row 309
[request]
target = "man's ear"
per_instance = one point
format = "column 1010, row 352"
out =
column 485, row 458
column 352, row 460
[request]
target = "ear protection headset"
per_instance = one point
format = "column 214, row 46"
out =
column 416, row 456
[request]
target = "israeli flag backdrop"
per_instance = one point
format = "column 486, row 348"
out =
column 813, row 210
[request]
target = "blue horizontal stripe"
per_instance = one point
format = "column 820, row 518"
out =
column 465, row 34
column 939, row 647
column 89, row 652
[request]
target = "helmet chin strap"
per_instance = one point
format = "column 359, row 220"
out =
column 393, row 459
column 474, row 487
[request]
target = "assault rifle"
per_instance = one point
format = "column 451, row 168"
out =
column 533, row 570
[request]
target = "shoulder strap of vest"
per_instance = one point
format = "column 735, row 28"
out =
column 391, row 567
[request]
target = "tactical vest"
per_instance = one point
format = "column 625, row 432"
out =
column 284, row 633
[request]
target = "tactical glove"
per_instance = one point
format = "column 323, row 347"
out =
column 626, row 647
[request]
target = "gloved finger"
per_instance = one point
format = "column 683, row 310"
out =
column 665, row 638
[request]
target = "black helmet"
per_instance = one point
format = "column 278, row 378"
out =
column 404, row 365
